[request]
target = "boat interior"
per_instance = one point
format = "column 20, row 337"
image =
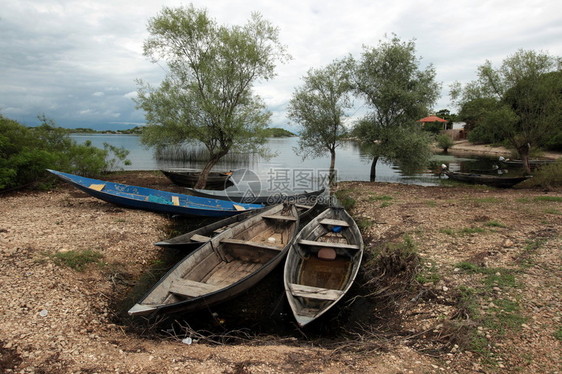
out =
column 227, row 260
column 324, row 267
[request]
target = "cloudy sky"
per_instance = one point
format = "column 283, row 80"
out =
column 76, row 61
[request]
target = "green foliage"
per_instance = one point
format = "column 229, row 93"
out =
column 344, row 198
column 25, row 153
column 520, row 102
column 77, row 260
column 548, row 177
column 399, row 93
column 318, row 106
column 207, row 95
column 444, row 141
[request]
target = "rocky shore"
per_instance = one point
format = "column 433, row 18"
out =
column 55, row 319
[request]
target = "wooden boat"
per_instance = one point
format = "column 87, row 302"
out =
column 154, row 200
column 533, row 164
column 196, row 238
column 322, row 264
column 268, row 198
column 500, row 181
column 225, row 266
column 189, row 177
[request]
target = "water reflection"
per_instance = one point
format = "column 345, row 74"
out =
column 353, row 161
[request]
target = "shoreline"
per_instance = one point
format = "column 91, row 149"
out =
column 59, row 320
column 465, row 147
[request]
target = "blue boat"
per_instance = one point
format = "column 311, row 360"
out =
column 154, row 200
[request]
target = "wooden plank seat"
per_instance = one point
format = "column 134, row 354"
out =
column 250, row 243
column 334, row 222
column 280, row 217
column 328, row 244
column 200, row 238
column 189, row 288
column 318, row 293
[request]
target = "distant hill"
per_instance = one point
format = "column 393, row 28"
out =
column 81, row 130
column 276, row 132
column 272, row 132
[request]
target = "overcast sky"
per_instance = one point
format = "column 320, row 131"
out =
column 77, row 61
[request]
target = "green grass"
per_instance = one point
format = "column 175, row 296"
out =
column 364, row 223
column 558, row 333
column 344, row 198
column 549, row 198
column 428, row 274
column 380, row 198
column 472, row 230
column 495, row 224
column 77, row 260
column 501, row 314
column 494, row 277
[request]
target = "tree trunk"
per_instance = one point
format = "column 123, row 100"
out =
column 332, row 173
column 374, row 169
column 524, row 153
column 202, row 181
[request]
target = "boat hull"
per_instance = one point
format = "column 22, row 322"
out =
column 489, row 180
column 267, row 199
column 227, row 265
column 136, row 197
column 188, row 178
column 322, row 264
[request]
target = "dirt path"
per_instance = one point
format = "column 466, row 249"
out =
column 55, row 319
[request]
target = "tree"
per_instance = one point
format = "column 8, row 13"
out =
column 207, row 96
column 523, row 100
column 319, row 107
column 399, row 92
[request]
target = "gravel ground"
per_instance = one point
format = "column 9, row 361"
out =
column 55, row 319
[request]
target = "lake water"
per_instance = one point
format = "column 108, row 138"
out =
column 351, row 162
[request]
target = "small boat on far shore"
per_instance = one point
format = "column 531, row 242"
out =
column 534, row 164
column 268, row 198
column 189, row 177
column 500, row 181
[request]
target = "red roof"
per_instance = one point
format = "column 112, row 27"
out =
column 432, row 119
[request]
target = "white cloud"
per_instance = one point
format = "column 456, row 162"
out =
column 55, row 53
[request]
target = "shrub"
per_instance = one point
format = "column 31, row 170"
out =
column 549, row 176
column 444, row 142
column 26, row 152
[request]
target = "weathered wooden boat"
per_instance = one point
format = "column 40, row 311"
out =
column 189, row 177
column 322, row 264
column 226, row 265
column 154, row 200
column 533, row 164
column 194, row 239
column 268, row 198
column 500, row 181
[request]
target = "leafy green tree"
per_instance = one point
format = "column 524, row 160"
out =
column 399, row 93
column 319, row 107
column 207, row 96
column 444, row 142
column 523, row 100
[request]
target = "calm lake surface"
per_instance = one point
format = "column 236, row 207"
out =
column 351, row 162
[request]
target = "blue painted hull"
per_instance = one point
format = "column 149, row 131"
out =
column 154, row 200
